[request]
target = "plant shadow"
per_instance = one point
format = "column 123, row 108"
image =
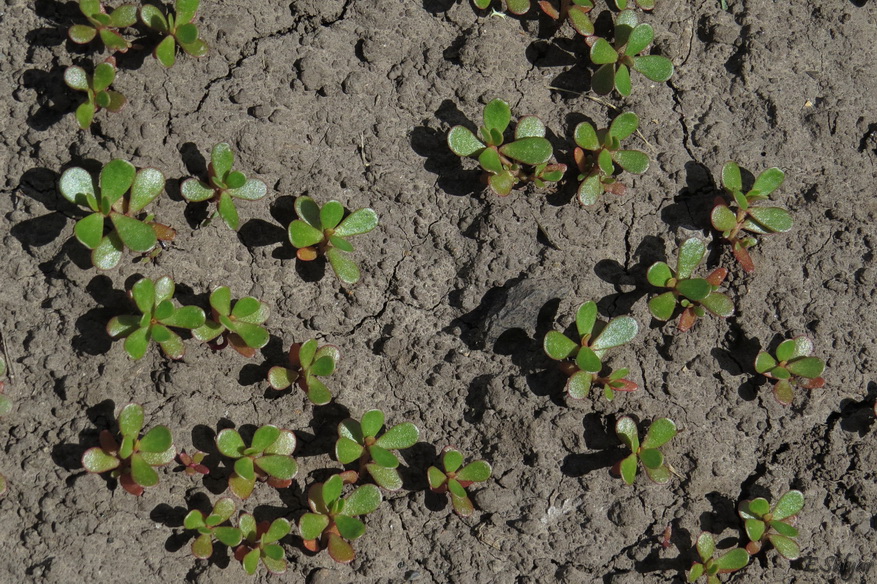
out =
column 598, row 439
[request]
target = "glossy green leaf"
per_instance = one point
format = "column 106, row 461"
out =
column 252, row 190
column 90, row 230
column 626, row 430
column 143, row 474
column 659, row 433
column 194, row 519
column 590, row 190
column 340, row 550
column 318, row 393
column 435, row 477
column 264, row 437
column 331, row 214
column 605, row 162
column 586, row 136
column 76, row 77
column 587, row 360
column 166, row 52
column 622, row 80
column 157, row 440
column 603, row 53
column 230, row 443
column 786, row 546
column 350, row 527
column 659, row 274
column 722, row 218
column 651, row 458
column 706, row 546
column 185, row 10
column 323, row 366
column 463, row 142
column 345, row 268
column 768, row 181
column 303, row 235
column 477, row 472
column 640, row 38
column 153, row 18
column 784, row 528
column 617, row 332
column 401, row 436
column 227, row 210
column 195, row 191
column 695, row 289
column 187, row 34
column 95, row 460
column 131, row 420
column 603, row 80
column 502, row 183
column 718, row 304
column 624, row 125
column 452, row 460
column 383, row 457
column 137, row 342
column 362, row 501
column 655, row 67
column 75, row 185
column 628, row 469
column 731, row 177
column 497, row 115
column 518, row 6
column 85, row 115
column 104, row 74
column 691, row 253
column 580, row 21
column 245, row 469
column 278, row 377
column 358, row 222
column 312, row 525
column 278, row 466
column 586, row 317
column 773, row 219
column 578, row 386
column 632, row 160
column 528, row 150
column 251, row 561
column 660, row 475
column 350, row 429
column 764, row 362
column 694, row 574
column 136, row 235
column 529, row 127
column 387, row 478
column 793, row 348
column 755, row 529
column 116, row 178
column 148, row 184
column 558, row 346
column 187, row 317
column 490, row 160
column 662, row 306
column 80, row 34
column 347, row 451
column 733, row 560
column 789, row 505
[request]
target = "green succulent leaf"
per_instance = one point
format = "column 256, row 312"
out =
column 768, row 181
column 579, row 384
column 662, row 306
column 732, row 179
column 617, row 332
column 230, row 443
column 187, row 34
column 251, row 561
column 331, row 215
column 157, row 440
column 529, row 127
column 754, row 509
column 587, row 360
column 340, row 550
column 346, row 450
column 95, row 460
column 659, row 275
column 706, row 546
column 463, row 142
column 85, row 115
column 786, row 546
column 733, row 560
column 228, row 211
column 137, row 342
column 153, row 18
column 136, row 235
column 528, row 150
column 452, row 460
column 383, row 457
column 477, row 472
column 558, row 346
column 362, row 501
column 586, row 317
column 143, row 474
column 278, row 529
column 245, row 469
column 230, row 536
column 497, row 115
column 186, row 317
column 435, row 477
column 351, row 429
column 626, row 430
column 632, row 160
column 624, row 125
column 603, row 53
column 76, row 77
column 789, row 505
column 104, row 74
column 640, row 38
column 81, row 34
column 264, row 437
column 659, row 433
column 586, row 136
column 628, row 469
column 764, row 362
column 387, row 478
column 773, row 219
column 148, row 184
column 603, row 80
column 345, row 268
column 318, row 393
column 691, row 253
column 502, row 183
column 808, row 367
column 518, row 6
column 401, row 436
column 372, row 422
column 116, row 178
column 349, row 527
column 655, row 67
column 303, row 235
column 784, row 528
column 719, row 304
column 252, row 190
column 490, row 161
column 89, row 230
column 590, row 190
column 131, row 420
column 622, row 80
column 722, row 218
column 651, row 458
column 166, row 52
column 579, row 20
column 695, row 289
column 278, row 466
column 312, row 525
column 194, row 519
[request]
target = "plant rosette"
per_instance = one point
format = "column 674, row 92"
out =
column 191, row 463
column 517, row 7
column 647, row 452
column 455, row 478
column 791, row 367
column 96, row 88
column 178, row 30
column 710, row 566
column 131, row 461
column 582, row 361
column 238, row 324
column 360, row 441
column 332, row 523
column 773, row 524
column 526, row 159
column 307, row 362
column 210, row 528
column 104, row 24
column 268, row 458
column 260, row 543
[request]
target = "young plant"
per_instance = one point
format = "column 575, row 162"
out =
column 748, row 217
column 223, row 186
column 132, row 461
column 523, row 160
column 5, row 402
column 211, row 528
column 268, row 458
column 454, row 480
column 104, row 24
column 514, row 6
column 616, row 60
column 582, row 361
column 658, row 434
column 324, row 232
column 360, row 441
column 332, row 523
column 237, row 323
column 597, row 166
column 574, row 11
column 792, row 367
column 711, row 567
column 644, row 4
column 96, row 89
column 260, row 542
column 694, row 295
column 307, row 362
column 773, row 524
column 109, row 201
column 177, row 27
column 158, row 316
column 191, row 463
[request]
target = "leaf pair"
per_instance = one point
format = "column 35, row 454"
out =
column 792, row 366
column 526, row 159
column 603, row 147
column 238, row 322
column 267, row 458
column 224, row 185
column 112, row 201
column 694, row 295
column 260, row 543
column 582, row 360
column 658, row 434
column 158, row 316
column 332, row 522
column 178, row 28
column 454, row 479
column 133, row 459
column 710, row 566
column 104, row 24
column 210, row 528
column 573, row 11
column 514, row 6
column 773, row 524
column 96, row 88
column 359, row 441
column 324, row 231
column 307, row 363
column 616, row 60
column 748, row 216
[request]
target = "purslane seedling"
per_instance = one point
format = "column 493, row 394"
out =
column 96, row 87
column 104, row 24
column 455, row 478
column 616, row 60
column 598, row 151
column 211, row 528
column 738, row 226
column 711, row 566
column 191, row 463
column 223, row 186
column 268, row 458
column 694, row 295
column 773, row 524
column 573, row 11
column 644, row 4
column 132, row 461
column 359, row 441
column 238, row 323
column 332, row 523
column 525, row 159
column 260, row 543
column 647, row 452
column 307, row 362
column 178, row 28
column 514, row 6
column 324, row 232
column 112, row 200
column 582, row 361
column 158, row 316
column 791, row 367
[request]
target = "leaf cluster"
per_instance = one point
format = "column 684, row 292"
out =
column 307, row 362
column 132, row 460
column 96, row 87
column 260, row 543
column 455, row 478
column 694, row 295
column 747, row 216
column 599, row 151
column 223, row 186
column 178, row 30
column 238, row 323
column 323, row 231
column 582, row 360
column 517, row 7
column 364, row 442
column 711, row 566
column 647, row 452
column 191, row 464
column 791, row 367
column 104, row 24
column 267, row 458
column 112, row 201
column 211, row 528
column 158, row 316
column 773, row 524
column 525, row 159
